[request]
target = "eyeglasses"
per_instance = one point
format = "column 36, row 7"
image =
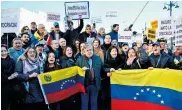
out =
column 42, row 27
column 26, row 29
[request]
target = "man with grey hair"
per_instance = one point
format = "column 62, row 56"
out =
column 40, row 34
column 16, row 51
column 92, row 65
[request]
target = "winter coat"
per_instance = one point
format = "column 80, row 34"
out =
column 105, row 48
column 162, row 61
column 34, row 94
column 61, row 34
column 66, row 62
column 135, row 65
column 70, row 36
column 177, row 57
column 114, row 35
column 15, row 54
column 83, row 36
column 97, row 65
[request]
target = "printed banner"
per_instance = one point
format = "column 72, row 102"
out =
column 125, row 36
column 151, row 34
column 166, row 28
column 53, row 17
column 178, row 33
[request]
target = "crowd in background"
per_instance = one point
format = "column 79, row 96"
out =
column 35, row 51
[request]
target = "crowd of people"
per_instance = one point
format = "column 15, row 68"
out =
column 35, row 51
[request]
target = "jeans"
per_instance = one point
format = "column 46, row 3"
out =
column 91, row 95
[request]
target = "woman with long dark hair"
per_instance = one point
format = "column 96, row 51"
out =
column 7, row 76
column 67, row 60
column 49, row 66
column 113, row 62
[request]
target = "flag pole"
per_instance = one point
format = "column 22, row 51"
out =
column 42, row 89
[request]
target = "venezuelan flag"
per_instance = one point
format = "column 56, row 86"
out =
column 61, row 84
column 157, row 89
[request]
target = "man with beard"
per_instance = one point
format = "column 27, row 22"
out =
column 26, row 40
column 16, row 51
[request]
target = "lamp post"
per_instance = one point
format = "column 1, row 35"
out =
column 169, row 8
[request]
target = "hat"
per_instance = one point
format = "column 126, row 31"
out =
column 162, row 40
column 124, row 44
column 156, row 43
column 40, row 43
column 56, row 24
column 134, row 44
column 144, row 43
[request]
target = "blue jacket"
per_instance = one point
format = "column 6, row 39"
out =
column 15, row 54
column 114, row 35
column 97, row 66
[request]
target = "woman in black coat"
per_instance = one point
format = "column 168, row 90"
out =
column 66, row 61
column 106, row 44
column 7, row 74
column 49, row 66
column 134, row 62
column 113, row 62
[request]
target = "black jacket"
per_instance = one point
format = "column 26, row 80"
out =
column 61, row 34
column 105, row 48
column 66, row 62
column 135, row 65
column 70, row 36
column 7, row 68
column 165, row 61
column 83, row 36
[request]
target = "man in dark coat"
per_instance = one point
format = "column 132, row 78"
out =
column 71, row 34
column 160, row 59
column 87, row 34
column 92, row 65
column 56, row 34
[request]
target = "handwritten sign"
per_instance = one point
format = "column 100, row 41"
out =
column 77, row 9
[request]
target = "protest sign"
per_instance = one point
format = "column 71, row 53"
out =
column 53, row 17
column 111, row 14
column 125, row 36
column 166, row 28
column 77, row 9
column 151, row 34
column 178, row 34
column 96, row 20
column 10, row 20
column 154, row 24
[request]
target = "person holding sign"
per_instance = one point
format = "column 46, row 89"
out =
column 87, row 36
column 71, row 34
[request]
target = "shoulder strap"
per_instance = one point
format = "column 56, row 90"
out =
column 139, row 63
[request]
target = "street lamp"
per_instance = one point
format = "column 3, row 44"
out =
column 169, row 8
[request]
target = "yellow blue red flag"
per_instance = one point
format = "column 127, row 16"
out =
column 61, row 84
column 157, row 89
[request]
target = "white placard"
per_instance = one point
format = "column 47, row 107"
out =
column 96, row 20
column 10, row 20
column 90, row 40
column 178, row 32
column 75, row 9
column 111, row 14
column 125, row 36
column 166, row 28
column 53, row 17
